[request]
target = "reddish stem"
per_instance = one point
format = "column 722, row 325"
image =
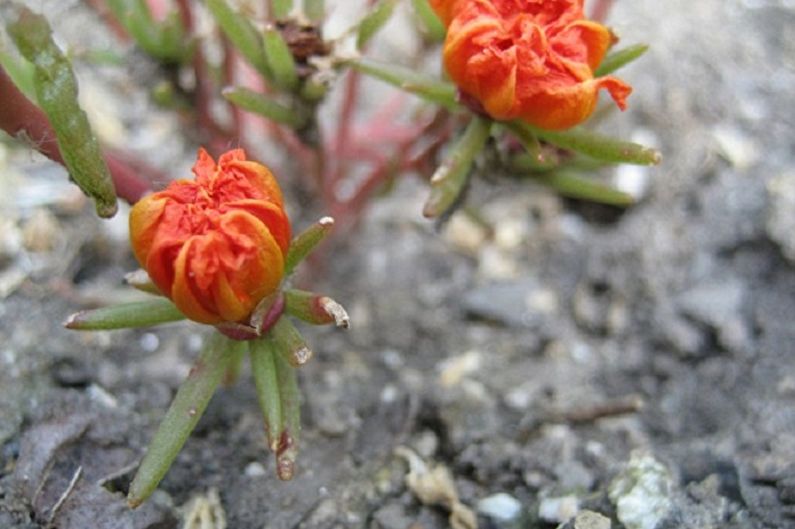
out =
column 601, row 10
column 342, row 139
column 185, row 14
column 19, row 117
column 105, row 14
column 230, row 62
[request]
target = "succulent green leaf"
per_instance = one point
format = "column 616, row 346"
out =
column 303, row 244
column 280, row 60
column 185, row 411
column 56, row 91
column 538, row 157
column 125, row 316
column 281, row 8
column 374, row 21
column 20, row 71
column 315, row 10
column 263, row 365
column 292, row 346
column 429, row 88
column 595, row 145
column 241, row 33
column 168, row 41
column 450, row 178
column 431, row 24
column 290, row 398
column 620, row 58
column 266, row 107
column 315, row 308
column 573, row 186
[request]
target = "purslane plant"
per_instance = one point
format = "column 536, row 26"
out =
column 522, row 79
column 218, row 249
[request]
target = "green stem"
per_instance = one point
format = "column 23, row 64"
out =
column 237, row 351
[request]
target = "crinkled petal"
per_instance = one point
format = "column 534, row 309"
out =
column 566, row 106
column 260, row 179
column 144, row 221
column 204, row 168
column 216, row 245
column 528, row 59
column 182, row 292
column 262, row 271
column 271, row 216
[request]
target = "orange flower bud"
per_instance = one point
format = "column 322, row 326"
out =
column 215, row 245
column 528, row 59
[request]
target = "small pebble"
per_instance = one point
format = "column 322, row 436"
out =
column 591, row 520
column 254, row 470
column 502, row 508
column 641, row 492
column 40, row 232
column 454, row 370
column 558, row 510
column 464, row 233
column 149, row 342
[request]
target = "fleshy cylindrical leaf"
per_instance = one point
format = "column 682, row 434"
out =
column 430, row 22
column 125, row 316
column 291, row 345
column 185, row 411
column 241, row 33
column 266, row 107
column 449, row 179
column 429, row 88
column 263, row 365
column 315, row 10
column 599, row 146
column 56, row 91
column 620, row 58
column 573, row 186
column 315, row 308
column 305, row 242
column 374, row 21
column 290, row 397
column 281, row 8
column 280, row 60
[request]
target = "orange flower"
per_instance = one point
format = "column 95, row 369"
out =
column 528, row 59
column 214, row 246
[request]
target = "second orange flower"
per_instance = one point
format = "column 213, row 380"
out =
column 532, row 60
